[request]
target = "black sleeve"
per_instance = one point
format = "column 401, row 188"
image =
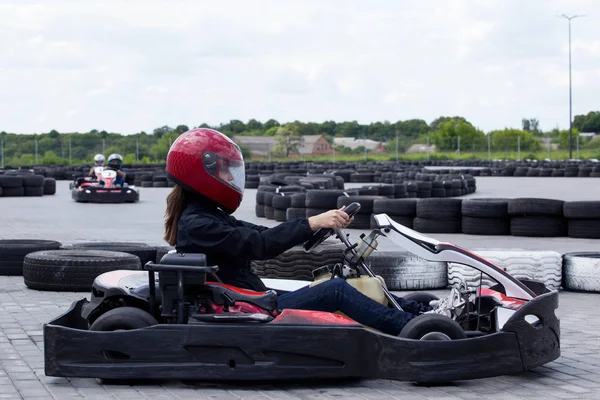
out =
column 250, row 225
column 245, row 242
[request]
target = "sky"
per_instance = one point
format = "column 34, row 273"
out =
column 131, row 65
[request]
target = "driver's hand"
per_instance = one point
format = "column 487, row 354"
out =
column 333, row 219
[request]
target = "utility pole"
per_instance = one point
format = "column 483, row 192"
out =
column 519, row 148
column 36, row 151
column 570, row 89
column 2, row 152
column 427, row 149
column 137, row 150
column 458, row 146
column 489, row 147
column 70, row 159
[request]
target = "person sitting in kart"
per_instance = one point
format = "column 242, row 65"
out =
column 98, row 162
column 114, row 162
column 208, row 170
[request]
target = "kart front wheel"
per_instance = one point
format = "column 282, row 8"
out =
column 432, row 327
column 123, row 318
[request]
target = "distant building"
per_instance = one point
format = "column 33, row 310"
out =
column 354, row 143
column 260, row 146
column 421, row 148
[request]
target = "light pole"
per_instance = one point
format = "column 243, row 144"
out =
column 570, row 89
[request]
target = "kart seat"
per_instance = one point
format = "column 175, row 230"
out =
column 222, row 293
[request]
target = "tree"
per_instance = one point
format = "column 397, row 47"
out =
column 288, row 140
column 563, row 138
column 435, row 124
column 587, row 123
column 162, row 131
column 271, row 124
column 254, row 125
column 510, row 139
column 446, row 137
column 181, row 129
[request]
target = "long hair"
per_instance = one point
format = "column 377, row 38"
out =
column 175, row 205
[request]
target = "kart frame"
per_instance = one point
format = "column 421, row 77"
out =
column 299, row 344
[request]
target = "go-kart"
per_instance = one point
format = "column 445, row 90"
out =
column 175, row 320
column 103, row 189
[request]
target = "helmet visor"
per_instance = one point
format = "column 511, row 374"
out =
column 232, row 173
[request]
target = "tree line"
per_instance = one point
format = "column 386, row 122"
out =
column 446, row 133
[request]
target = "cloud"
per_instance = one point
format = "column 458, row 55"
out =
column 135, row 65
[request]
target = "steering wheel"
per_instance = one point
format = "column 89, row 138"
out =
column 323, row 233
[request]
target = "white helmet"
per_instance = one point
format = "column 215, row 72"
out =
column 98, row 160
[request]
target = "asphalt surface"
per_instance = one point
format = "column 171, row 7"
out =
column 575, row 375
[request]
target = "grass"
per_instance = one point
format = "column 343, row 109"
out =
column 451, row 156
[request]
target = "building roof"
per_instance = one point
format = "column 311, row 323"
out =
column 353, row 143
column 307, row 143
column 261, row 144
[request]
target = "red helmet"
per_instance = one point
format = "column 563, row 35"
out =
column 209, row 163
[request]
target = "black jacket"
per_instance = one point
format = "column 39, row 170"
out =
column 232, row 244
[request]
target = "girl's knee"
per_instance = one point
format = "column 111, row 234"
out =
column 336, row 284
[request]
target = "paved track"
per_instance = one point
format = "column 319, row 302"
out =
column 23, row 311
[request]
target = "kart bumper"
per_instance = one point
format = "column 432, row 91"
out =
column 295, row 350
column 92, row 194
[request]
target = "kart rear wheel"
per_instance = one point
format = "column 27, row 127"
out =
column 421, row 297
column 432, row 327
column 123, row 318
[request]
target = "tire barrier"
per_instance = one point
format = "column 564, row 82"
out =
column 529, row 217
column 13, row 252
column 72, row 270
column 47, row 265
column 296, row 263
column 19, row 183
column 541, row 266
column 405, row 271
column 581, row 271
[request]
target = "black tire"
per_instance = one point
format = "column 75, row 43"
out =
column 324, row 199
column 434, row 208
column 281, row 202
column 584, row 228
column 361, row 221
column 13, row 252
column 33, row 191
column 485, row 226
column 143, row 251
column 49, row 186
column 279, row 215
column 147, row 184
column 159, row 184
column 161, row 251
column 269, row 212
column 535, row 206
column 299, row 200
column 401, row 207
column 582, row 209
column 123, row 318
column 418, row 328
column 33, row 180
column 259, row 209
column 13, row 191
column 72, row 270
column 485, row 208
column 430, row 225
column 10, row 181
column 538, row 226
column 366, row 202
column 420, row 297
column 295, row 213
column 405, row 271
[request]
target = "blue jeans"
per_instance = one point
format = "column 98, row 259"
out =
column 337, row 295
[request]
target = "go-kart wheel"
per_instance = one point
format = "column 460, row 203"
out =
column 432, row 327
column 123, row 318
column 421, row 297
column 320, row 235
